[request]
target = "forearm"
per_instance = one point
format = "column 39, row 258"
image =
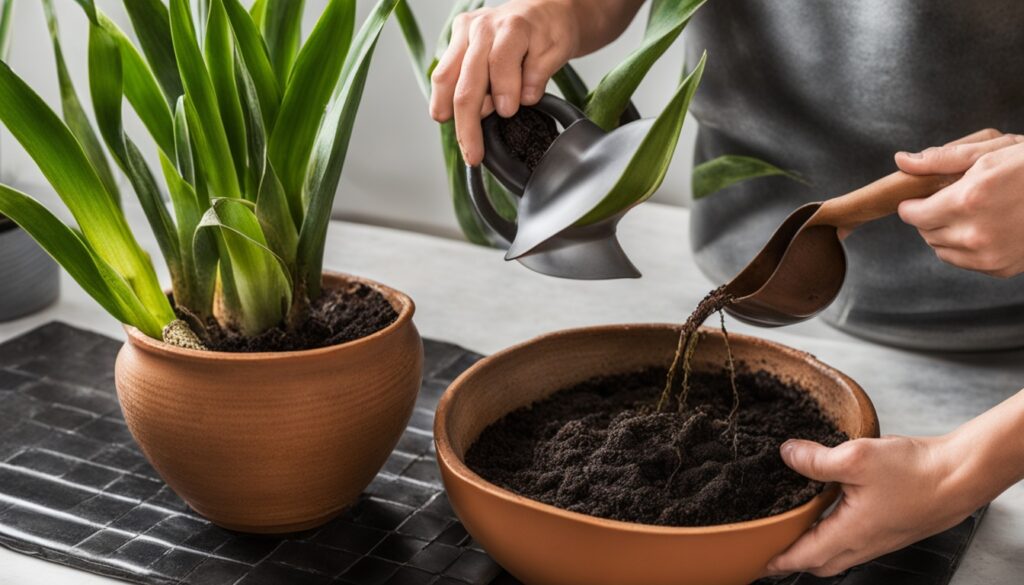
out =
column 601, row 21
column 990, row 449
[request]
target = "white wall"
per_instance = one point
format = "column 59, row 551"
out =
column 394, row 174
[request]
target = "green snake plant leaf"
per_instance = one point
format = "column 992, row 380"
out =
column 106, row 87
column 220, row 59
column 96, row 277
column 6, row 15
column 272, row 209
column 610, row 97
column 455, row 166
column 572, row 86
column 256, row 60
column 183, row 156
column 74, row 113
column 198, row 284
column 152, row 26
column 257, row 275
column 89, row 6
column 717, row 174
column 308, row 92
column 331, row 146
column 258, row 12
column 60, row 158
column 282, row 27
column 206, row 125
column 142, row 89
column 649, row 164
column 421, row 63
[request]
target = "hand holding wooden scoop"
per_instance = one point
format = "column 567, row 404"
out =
column 800, row 270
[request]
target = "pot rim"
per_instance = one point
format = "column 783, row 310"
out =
column 406, row 309
column 447, row 458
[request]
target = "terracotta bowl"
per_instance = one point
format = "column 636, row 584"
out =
column 272, row 442
column 544, row 545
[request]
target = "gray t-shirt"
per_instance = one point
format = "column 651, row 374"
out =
column 832, row 89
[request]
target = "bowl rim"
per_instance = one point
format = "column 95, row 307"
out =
column 405, row 305
column 452, row 464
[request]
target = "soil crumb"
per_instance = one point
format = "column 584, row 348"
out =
column 601, row 448
column 528, row 134
column 339, row 315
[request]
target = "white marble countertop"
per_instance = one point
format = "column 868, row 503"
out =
column 470, row 296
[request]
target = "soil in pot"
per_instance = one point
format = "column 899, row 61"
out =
column 655, row 447
column 338, row 316
column 528, row 134
column 601, row 448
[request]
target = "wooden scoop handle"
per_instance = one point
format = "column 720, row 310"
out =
column 879, row 199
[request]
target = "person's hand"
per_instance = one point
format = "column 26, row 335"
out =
column 896, row 491
column 500, row 58
column 975, row 223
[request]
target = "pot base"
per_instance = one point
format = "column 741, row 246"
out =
column 277, row 529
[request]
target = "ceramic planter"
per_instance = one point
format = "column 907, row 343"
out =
column 545, row 545
column 272, row 442
column 29, row 278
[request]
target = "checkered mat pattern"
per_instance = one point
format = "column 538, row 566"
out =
column 74, row 489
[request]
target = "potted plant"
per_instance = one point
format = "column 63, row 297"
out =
column 559, row 460
column 607, row 104
column 266, row 391
column 30, row 279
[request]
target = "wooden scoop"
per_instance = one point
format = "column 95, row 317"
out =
column 800, row 270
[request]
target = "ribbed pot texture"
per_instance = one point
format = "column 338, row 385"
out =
column 272, row 442
column 545, row 545
column 29, row 278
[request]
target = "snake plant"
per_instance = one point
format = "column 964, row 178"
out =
column 604, row 104
column 251, row 126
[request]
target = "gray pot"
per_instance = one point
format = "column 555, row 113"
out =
column 29, row 278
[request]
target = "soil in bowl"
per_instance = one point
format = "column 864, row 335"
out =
column 602, row 448
column 339, row 315
column 528, row 134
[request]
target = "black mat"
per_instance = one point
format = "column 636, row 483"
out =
column 75, row 490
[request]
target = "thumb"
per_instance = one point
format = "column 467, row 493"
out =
column 812, row 460
column 953, row 158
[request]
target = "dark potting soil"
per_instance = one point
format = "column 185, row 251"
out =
column 528, row 134
column 339, row 315
column 602, row 448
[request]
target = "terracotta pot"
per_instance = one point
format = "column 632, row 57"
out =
column 29, row 278
column 545, row 545
column 272, row 442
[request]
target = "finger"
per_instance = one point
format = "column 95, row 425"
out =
column 943, row 237
column 979, row 136
column 538, row 68
column 470, row 93
column 974, row 260
column 822, row 463
column 930, row 213
column 827, row 540
column 446, row 73
column 951, row 159
column 488, row 107
column 506, row 66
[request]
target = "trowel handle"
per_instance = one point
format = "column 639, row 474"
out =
column 879, row 199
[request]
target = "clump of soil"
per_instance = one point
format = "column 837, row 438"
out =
column 528, row 134
column 339, row 315
column 601, row 448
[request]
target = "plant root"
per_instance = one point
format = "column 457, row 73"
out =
column 734, row 413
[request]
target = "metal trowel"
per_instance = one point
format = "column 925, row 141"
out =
column 579, row 168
